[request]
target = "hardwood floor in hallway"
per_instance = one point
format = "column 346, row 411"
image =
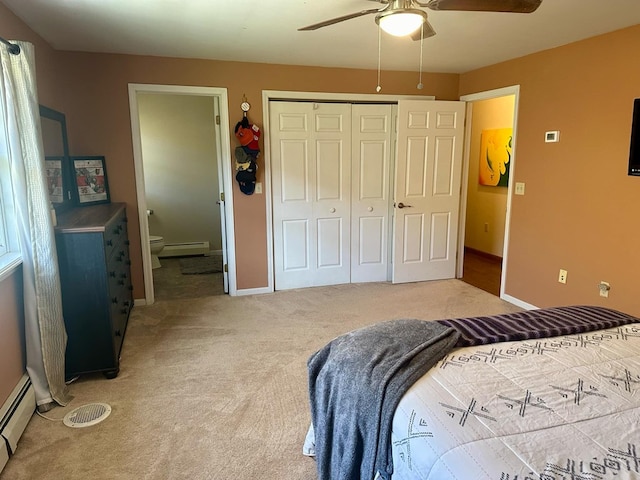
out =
column 482, row 270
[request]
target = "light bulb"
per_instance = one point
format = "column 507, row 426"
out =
column 401, row 23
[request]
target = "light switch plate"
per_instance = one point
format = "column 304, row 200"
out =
column 552, row 137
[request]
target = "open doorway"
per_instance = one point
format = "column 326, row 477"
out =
column 182, row 174
column 490, row 157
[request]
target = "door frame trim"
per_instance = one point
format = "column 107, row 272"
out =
column 473, row 97
column 225, row 147
column 272, row 95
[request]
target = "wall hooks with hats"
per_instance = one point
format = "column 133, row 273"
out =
column 247, row 154
column 244, row 105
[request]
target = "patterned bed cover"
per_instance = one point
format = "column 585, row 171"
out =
column 560, row 408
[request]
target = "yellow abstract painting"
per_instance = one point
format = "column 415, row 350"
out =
column 495, row 156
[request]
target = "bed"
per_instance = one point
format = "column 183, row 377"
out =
column 547, row 394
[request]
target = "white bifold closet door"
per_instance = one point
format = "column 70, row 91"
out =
column 427, row 190
column 371, row 192
column 338, row 206
column 311, row 177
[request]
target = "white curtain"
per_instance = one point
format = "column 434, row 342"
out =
column 46, row 337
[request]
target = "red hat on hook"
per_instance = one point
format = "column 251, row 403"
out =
column 247, row 134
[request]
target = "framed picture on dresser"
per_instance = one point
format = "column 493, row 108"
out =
column 54, row 167
column 90, row 175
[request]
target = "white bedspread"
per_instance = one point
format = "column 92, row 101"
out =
column 563, row 408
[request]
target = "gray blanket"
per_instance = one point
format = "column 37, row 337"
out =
column 355, row 384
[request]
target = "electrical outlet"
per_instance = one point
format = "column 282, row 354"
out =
column 604, row 289
column 562, row 276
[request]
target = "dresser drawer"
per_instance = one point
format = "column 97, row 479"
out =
column 115, row 234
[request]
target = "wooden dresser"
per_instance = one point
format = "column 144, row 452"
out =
column 97, row 295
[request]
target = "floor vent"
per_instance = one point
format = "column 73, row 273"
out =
column 87, row 415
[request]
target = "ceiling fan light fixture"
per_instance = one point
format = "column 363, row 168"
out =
column 401, row 22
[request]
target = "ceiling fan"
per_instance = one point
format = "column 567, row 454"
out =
column 403, row 17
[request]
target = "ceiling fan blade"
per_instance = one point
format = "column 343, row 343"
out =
column 428, row 32
column 326, row 23
column 512, row 6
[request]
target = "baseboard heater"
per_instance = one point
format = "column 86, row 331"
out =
column 14, row 417
column 184, row 249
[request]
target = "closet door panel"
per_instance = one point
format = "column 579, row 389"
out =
column 370, row 192
column 311, row 181
column 428, row 178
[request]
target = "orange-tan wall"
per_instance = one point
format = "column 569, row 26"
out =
column 49, row 77
column 98, row 122
column 12, row 348
column 580, row 209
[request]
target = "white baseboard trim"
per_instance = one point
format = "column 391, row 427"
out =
column 137, row 302
column 253, row 291
column 518, row 302
column 184, row 249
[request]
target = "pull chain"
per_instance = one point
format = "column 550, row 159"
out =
column 378, row 87
column 420, row 86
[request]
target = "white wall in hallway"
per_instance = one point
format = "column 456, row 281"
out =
column 180, row 169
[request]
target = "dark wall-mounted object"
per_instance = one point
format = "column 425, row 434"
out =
column 56, row 157
column 634, row 150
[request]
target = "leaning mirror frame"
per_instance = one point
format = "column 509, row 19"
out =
column 56, row 157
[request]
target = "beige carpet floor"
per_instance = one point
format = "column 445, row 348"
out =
column 216, row 387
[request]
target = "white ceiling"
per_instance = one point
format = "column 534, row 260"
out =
column 265, row 31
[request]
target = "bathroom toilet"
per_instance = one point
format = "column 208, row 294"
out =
column 157, row 244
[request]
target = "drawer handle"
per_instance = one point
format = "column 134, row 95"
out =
column 114, row 300
column 120, row 282
column 124, row 311
column 110, row 243
column 112, row 274
column 117, row 333
column 130, row 287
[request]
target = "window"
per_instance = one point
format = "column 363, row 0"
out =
column 3, row 229
column 9, row 246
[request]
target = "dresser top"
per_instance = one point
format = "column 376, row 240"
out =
column 93, row 218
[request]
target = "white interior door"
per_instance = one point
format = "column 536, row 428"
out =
column 220, row 201
column 310, row 152
column 372, row 134
column 427, row 189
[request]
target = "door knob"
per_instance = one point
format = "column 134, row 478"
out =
column 402, row 205
column 332, row 210
column 370, row 209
